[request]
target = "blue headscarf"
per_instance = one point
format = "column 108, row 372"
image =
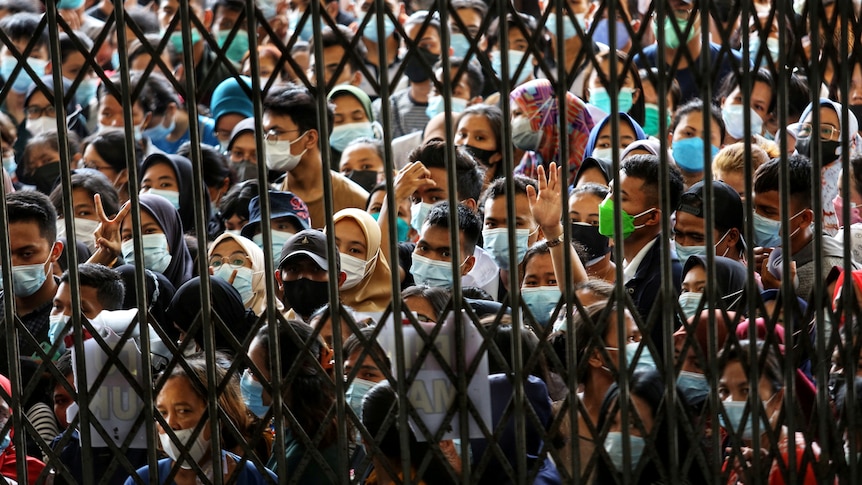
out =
column 594, row 133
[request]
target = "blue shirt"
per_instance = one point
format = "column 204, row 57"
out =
column 208, row 137
column 248, row 474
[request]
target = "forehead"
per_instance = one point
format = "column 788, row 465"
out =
column 413, row 31
column 226, row 247
column 539, row 264
column 435, row 235
column 827, row 116
column 347, row 104
column 497, row 207
column 271, row 119
column 688, row 222
column 360, row 152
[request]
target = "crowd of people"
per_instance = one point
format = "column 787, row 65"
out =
column 626, row 176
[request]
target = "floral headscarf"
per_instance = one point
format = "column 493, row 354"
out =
column 537, row 100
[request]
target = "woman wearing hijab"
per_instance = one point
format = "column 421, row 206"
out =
column 170, row 176
column 367, row 288
column 185, row 308
column 831, row 127
column 229, row 253
column 599, row 143
column 535, row 117
column 159, row 292
column 730, row 276
column 164, row 248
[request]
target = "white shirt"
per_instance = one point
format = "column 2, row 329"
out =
column 631, row 267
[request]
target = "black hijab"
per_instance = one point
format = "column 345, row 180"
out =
column 731, row 276
column 181, row 266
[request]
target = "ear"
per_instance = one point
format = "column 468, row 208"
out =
column 807, row 217
column 313, row 137
column 596, row 360
column 636, row 95
column 56, row 250
column 278, row 280
column 471, row 203
column 342, row 277
column 49, row 68
column 208, row 18
column 356, row 80
column 468, row 265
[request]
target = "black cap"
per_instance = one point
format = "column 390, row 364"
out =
column 726, row 204
column 310, row 243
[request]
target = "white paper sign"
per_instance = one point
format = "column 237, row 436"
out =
column 432, row 393
column 115, row 404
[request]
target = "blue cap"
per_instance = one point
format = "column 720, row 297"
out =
column 282, row 204
column 230, row 97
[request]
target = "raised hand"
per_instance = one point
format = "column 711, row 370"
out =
column 108, row 238
column 547, row 204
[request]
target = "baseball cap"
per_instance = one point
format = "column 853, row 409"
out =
column 309, row 242
column 282, row 204
column 726, row 203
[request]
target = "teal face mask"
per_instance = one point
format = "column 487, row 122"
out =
column 403, row 227
column 600, row 98
column 238, row 47
column 497, row 245
column 651, row 119
column 542, row 301
column 177, row 40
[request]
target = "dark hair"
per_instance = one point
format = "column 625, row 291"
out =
column 138, row 47
column 537, row 249
column 116, row 81
column 343, row 38
column 17, row 6
column 769, row 363
column 144, row 18
column 94, row 182
column 353, row 344
column 379, row 404
column 471, row 69
column 767, row 178
column 214, row 165
column 157, row 94
column 33, row 206
column 67, row 46
column 498, row 187
column 376, row 144
column 503, row 337
column 651, row 76
column 110, row 288
column 469, row 223
column 23, row 26
column 297, row 103
column 236, row 200
column 798, row 94
column 111, row 146
column 698, row 105
column 493, row 114
column 436, row 296
column 310, row 394
column 588, row 328
column 230, row 399
column 471, row 177
column 646, row 168
column 515, row 20
column 733, row 79
column 591, row 188
column 232, row 5
column 478, row 5
column 49, row 140
column 856, row 171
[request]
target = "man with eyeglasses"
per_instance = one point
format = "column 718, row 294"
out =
column 293, row 147
column 682, row 24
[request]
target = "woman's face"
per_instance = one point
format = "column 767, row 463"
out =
column 539, row 271
column 350, row 239
column 627, row 136
column 40, row 155
column 691, row 126
column 733, row 386
column 584, row 208
column 229, row 252
column 761, row 98
column 633, row 335
column 422, row 308
column 475, row 130
column 180, row 405
column 695, row 280
column 149, row 225
column 160, row 176
column 82, row 202
column 258, row 354
column 348, row 109
column 368, row 369
column 93, row 160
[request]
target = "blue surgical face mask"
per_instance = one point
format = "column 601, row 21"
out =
column 542, row 301
column 278, row 240
column 684, row 252
column 27, row 278
column 10, row 165
column 171, row 196
column 436, row 105
column 177, row 40
column 155, row 250
column 7, row 439
column 688, row 154
column 86, row 91
column 600, row 98
column 342, row 135
column 430, row 272
column 370, row 31
column 614, row 448
column 160, row 132
column 689, row 302
column 238, row 47
column 602, row 34
column 252, row 394
column 355, row 392
column 242, row 281
column 57, row 329
column 403, row 227
column 693, row 386
column 515, row 58
column 418, row 212
column 766, row 232
column 459, row 43
column 734, row 121
column 22, row 81
column 569, row 30
column 497, row 245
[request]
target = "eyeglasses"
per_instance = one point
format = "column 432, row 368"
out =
column 235, row 260
column 826, row 131
column 34, row 112
column 275, row 134
column 92, row 166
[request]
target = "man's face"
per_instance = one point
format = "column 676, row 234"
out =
column 434, row 193
column 169, row 8
column 225, row 19
column 428, row 39
column 90, row 306
column 633, row 199
column 28, row 246
column 331, row 58
column 434, row 244
column 768, row 204
column 689, row 230
column 496, row 215
column 302, row 267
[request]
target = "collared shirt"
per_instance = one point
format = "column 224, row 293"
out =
column 631, row 267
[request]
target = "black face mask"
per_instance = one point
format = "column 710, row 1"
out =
column 481, row 156
column 245, row 170
column 588, row 236
column 45, row 178
column 416, row 71
column 828, row 149
column 366, row 179
column 306, row 296
column 856, row 109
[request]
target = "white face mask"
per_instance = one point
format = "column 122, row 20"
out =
column 278, row 155
column 356, row 270
column 197, row 450
column 42, row 125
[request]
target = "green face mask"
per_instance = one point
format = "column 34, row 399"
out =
column 671, row 38
column 606, row 219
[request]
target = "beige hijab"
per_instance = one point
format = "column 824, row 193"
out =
column 374, row 292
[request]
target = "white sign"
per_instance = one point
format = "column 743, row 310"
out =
column 432, row 394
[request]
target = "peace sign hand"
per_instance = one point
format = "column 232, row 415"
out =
column 108, row 238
